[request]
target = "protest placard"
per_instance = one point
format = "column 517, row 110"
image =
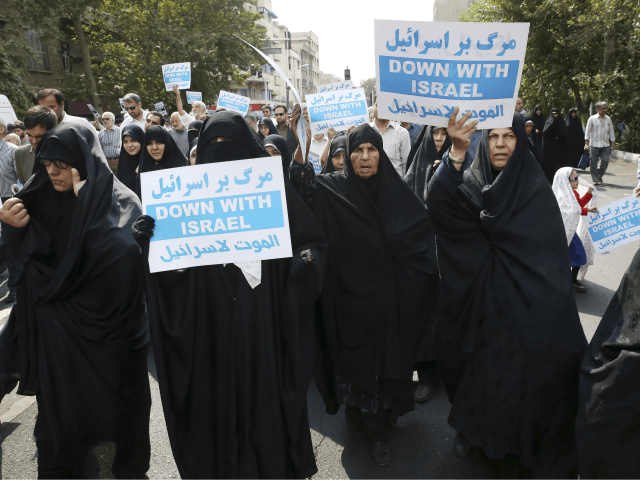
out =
column 194, row 97
column 177, row 73
column 217, row 213
column 233, row 102
column 617, row 224
column 315, row 161
column 338, row 110
column 424, row 70
column 122, row 106
column 94, row 111
column 159, row 107
column 332, row 87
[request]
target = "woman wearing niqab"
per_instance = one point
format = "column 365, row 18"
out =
column 575, row 138
column 233, row 343
column 372, row 302
column 554, row 145
column 78, row 334
column 194, row 130
column 510, row 340
column 128, row 164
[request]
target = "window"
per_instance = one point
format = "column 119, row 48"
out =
column 42, row 62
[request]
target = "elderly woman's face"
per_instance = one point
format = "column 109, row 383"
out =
column 338, row 161
column 156, row 150
column 529, row 128
column 365, row 160
column 439, row 136
column 502, row 143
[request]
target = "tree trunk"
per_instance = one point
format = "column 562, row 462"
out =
column 86, row 60
column 609, row 41
column 582, row 108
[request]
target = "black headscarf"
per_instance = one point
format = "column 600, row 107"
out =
column 243, row 144
column 194, row 130
column 422, row 168
column 538, row 120
column 554, row 145
column 280, row 144
column 171, row 158
column 269, row 123
column 507, row 315
column 128, row 164
column 534, row 140
column 78, row 328
column 338, row 144
column 575, row 137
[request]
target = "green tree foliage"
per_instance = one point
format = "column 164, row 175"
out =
column 579, row 52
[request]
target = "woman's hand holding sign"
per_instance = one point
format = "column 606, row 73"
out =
column 460, row 135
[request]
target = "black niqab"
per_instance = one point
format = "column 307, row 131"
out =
column 128, row 164
column 193, row 131
column 338, row 144
column 172, row 157
column 269, row 123
column 575, row 138
column 509, row 335
column 280, row 144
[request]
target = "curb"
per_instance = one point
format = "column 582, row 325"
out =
column 17, row 408
column 625, row 156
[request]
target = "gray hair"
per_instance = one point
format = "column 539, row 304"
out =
column 251, row 117
column 14, row 137
column 599, row 105
column 131, row 97
column 199, row 104
column 109, row 115
column 3, row 124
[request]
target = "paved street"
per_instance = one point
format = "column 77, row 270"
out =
column 421, row 441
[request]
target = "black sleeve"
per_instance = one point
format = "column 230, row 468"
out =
column 303, row 179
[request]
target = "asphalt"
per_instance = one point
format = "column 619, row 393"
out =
column 421, row 441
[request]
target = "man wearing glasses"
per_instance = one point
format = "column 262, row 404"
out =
column 266, row 111
column 280, row 112
column 137, row 116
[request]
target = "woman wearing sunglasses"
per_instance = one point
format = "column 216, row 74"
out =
column 573, row 208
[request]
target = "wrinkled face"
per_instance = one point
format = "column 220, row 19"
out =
column 573, row 179
column 502, row 143
column 156, row 150
column 439, row 136
column 13, row 139
column 602, row 110
column 151, row 121
column 134, row 109
column 338, row 161
column 264, row 130
column 20, row 132
column 529, row 127
column 519, row 105
column 177, row 123
column 61, row 178
column 192, row 157
column 35, row 134
column 272, row 151
column 365, row 160
column 281, row 115
column 131, row 146
column 52, row 103
column 196, row 110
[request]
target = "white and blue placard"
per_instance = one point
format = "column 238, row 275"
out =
column 233, row 102
column 177, row 73
column 424, row 70
column 617, row 224
column 194, row 97
column 332, row 87
column 315, row 161
column 217, row 213
column 338, row 110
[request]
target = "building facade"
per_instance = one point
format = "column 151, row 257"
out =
column 449, row 10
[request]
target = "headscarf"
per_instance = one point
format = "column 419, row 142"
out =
column 422, row 167
column 128, row 164
column 539, row 120
column 570, row 120
column 194, row 130
column 338, row 144
column 243, row 144
column 550, row 121
column 279, row 143
column 171, row 158
column 269, row 123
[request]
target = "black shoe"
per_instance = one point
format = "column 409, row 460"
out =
column 353, row 419
column 579, row 287
column 461, row 446
column 380, row 452
column 423, row 393
column 10, row 298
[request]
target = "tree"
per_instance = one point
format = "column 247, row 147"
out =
column 369, row 86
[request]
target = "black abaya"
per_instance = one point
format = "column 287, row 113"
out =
column 234, row 363
column 554, row 146
column 509, row 334
column 128, row 164
column 575, row 138
column 78, row 334
column 280, row 144
column 539, row 120
column 608, row 423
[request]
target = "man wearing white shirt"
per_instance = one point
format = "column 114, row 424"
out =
column 137, row 115
column 53, row 98
column 395, row 140
column 318, row 143
column 599, row 140
column 198, row 109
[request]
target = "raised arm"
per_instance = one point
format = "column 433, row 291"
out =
column 325, row 153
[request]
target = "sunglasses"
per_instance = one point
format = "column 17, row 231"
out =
column 573, row 179
column 131, row 108
column 57, row 163
column 278, row 114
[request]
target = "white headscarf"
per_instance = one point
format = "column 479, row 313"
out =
column 571, row 211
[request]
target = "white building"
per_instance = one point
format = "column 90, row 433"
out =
column 449, row 10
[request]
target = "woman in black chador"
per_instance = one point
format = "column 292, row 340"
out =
column 509, row 335
column 554, row 145
column 575, row 138
column 608, row 423
column 233, row 343
column 373, row 304
column 78, row 335
column 130, row 155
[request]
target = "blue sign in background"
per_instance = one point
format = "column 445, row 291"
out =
column 620, row 223
column 327, row 112
column 491, row 88
column 192, row 211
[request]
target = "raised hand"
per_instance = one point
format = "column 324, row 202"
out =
column 460, row 133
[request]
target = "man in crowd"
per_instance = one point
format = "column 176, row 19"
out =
column 317, row 147
column 198, row 109
column 519, row 107
column 599, row 141
column 110, row 140
column 179, row 133
column 7, row 179
column 37, row 120
column 414, row 130
column 54, row 99
column 252, row 120
column 137, row 115
column 266, row 112
column 118, row 121
column 21, row 131
column 395, row 138
column 154, row 118
column 13, row 139
column 280, row 112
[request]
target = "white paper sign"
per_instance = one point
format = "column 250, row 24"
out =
column 617, row 224
column 217, row 213
column 159, row 107
column 338, row 110
column 233, row 102
column 424, row 70
column 331, row 87
column 179, row 73
column 194, row 97
column 124, row 109
column 94, row 111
